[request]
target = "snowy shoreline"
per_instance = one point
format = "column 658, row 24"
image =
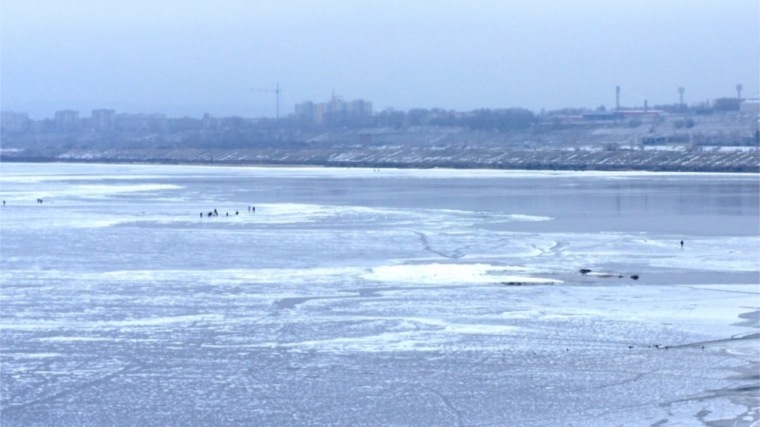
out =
column 744, row 161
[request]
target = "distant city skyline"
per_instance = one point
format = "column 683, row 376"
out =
column 198, row 110
column 314, row 112
column 190, row 58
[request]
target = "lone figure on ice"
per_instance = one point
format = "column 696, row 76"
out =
column 681, row 243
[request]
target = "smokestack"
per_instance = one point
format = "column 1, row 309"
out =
column 617, row 98
column 739, row 88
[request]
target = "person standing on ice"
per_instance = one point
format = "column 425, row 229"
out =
column 681, row 243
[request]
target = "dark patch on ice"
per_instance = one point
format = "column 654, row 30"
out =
column 743, row 395
column 751, row 319
column 456, row 254
column 588, row 271
column 720, row 343
column 528, row 283
column 292, row 302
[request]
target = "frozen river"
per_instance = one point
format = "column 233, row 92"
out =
column 354, row 297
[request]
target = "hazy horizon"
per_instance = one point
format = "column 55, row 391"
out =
column 188, row 58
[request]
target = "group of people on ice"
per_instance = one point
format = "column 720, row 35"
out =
column 215, row 213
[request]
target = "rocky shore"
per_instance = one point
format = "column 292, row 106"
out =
column 747, row 160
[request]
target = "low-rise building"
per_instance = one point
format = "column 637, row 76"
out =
column 750, row 106
column 140, row 122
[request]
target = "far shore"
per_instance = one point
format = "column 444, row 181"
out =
column 600, row 170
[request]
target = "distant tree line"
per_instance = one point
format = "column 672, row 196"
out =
column 499, row 120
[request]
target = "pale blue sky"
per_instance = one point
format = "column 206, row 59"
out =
column 190, row 57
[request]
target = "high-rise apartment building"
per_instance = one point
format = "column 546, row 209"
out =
column 67, row 121
column 103, row 120
column 14, row 122
column 336, row 111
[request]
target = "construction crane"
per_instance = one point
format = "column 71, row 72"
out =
column 277, row 91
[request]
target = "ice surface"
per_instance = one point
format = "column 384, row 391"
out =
column 449, row 274
column 399, row 297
